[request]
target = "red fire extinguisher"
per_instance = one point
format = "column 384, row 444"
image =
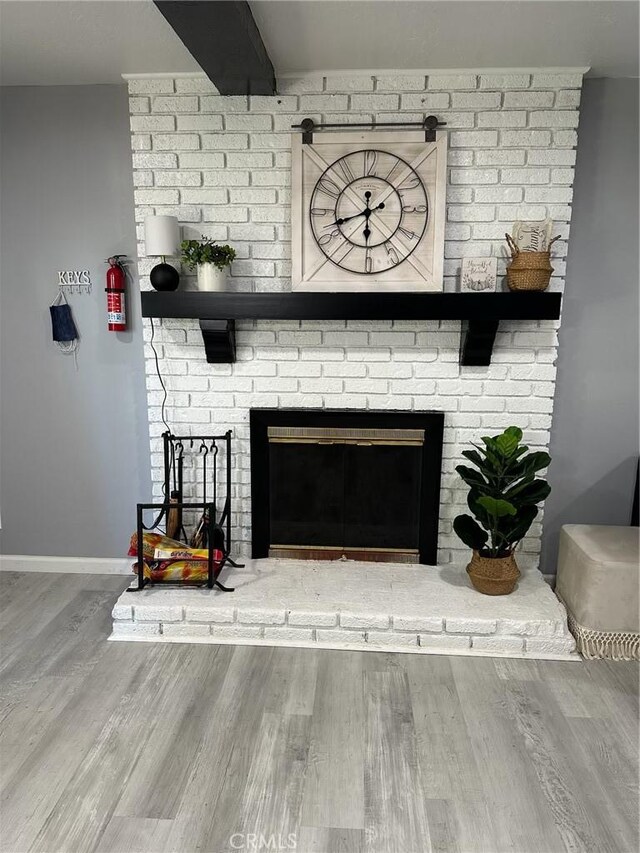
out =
column 116, row 281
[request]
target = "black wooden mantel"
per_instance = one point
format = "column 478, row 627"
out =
column 480, row 313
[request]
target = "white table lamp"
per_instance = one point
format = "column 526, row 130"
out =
column 162, row 239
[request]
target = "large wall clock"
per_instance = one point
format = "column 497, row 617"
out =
column 368, row 211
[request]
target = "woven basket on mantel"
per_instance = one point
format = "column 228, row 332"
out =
column 529, row 270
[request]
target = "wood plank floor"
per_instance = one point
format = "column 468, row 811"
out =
column 146, row 748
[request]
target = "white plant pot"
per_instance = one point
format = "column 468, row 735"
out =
column 211, row 278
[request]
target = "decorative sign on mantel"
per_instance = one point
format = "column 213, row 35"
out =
column 80, row 279
column 478, row 275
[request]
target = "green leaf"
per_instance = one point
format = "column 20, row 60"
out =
column 474, row 456
column 470, row 532
column 507, row 442
column 522, row 523
column 471, row 476
column 533, row 492
column 496, row 506
column 535, row 461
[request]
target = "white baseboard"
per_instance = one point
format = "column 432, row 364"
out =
column 73, row 565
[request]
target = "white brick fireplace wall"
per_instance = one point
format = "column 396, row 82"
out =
column 222, row 166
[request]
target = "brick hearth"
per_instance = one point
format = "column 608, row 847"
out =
column 362, row 606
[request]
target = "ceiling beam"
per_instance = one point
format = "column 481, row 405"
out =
column 223, row 38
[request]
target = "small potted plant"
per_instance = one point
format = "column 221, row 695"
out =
column 503, row 497
column 209, row 259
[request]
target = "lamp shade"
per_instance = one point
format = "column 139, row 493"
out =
column 161, row 236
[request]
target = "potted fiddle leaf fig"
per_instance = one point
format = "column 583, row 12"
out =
column 209, row 259
column 504, row 494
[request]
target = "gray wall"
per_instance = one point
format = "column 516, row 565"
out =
column 74, row 455
column 594, row 439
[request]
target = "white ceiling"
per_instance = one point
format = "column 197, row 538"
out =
column 49, row 42
column 343, row 34
column 58, row 42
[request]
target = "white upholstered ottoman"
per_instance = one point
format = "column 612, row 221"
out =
column 598, row 579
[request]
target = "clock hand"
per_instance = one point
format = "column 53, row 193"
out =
column 366, row 213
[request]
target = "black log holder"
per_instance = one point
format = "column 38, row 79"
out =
column 218, row 526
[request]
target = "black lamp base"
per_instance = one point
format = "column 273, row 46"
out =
column 164, row 277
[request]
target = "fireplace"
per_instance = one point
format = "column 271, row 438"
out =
column 330, row 484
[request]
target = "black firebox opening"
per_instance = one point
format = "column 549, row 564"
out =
column 352, row 495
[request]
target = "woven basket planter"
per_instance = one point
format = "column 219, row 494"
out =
column 528, row 270
column 493, row 575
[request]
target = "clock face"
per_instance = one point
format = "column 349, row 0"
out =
column 368, row 211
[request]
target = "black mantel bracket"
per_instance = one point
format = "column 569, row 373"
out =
column 480, row 313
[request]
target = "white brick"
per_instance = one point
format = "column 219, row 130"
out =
column 343, row 83
column 391, row 640
column 417, row 623
column 548, row 194
column 141, row 142
column 226, row 178
column 153, row 196
column 567, row 98
column 363, row 620
column 224, row 141
column 273, row 103
column 528, row 100
column 224, row 104
column 555, row 646
column 252, row 196
column 498, row 194
column 323, row 103
column 524, row 176
column 151, row 86
column 261, row 616
column 299, row 85
column 139, row 105
column 562, row 176
column 504, row 81
column 452, row 81
column 289, row 635
column 122, row 612
column 500, row 157
column 443, row 642
column 143, row 160
column 505, row 118
column 469, row 625
column 400, row 82
column 476, row 100
column 155, row 123
column 474, row 138
column 176, row 141
column 185, row 630
column 556, row 81
column 312, row 618
column 235, row 632
column 135, row 629
column 340, row 638
column 527, row 628
column 474, row 176
column 176, row 178
column 555, row 157
column 176, row 104
column 426, row 101
column 249, row 122
column 554, row 118
column 526, row 138
column 203, row 195
column 199, row 122
column 209, row 614
column 201, row 160
column 498, row 644
column 375, row 103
